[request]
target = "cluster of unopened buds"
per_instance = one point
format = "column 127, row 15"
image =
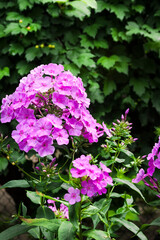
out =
column 47, row 170
column 92, row 180
column 50, row 105
column 153, row 163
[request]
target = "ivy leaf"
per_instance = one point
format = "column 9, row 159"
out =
column 109, row 86
column 85, row 59
column 139, row 85
column 108, row 62
column 138, row 8
column 132, row 28
column 101, row 44
column 72, row 68
column 122, row 65
column 101, row 5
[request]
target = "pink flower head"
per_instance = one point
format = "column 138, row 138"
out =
column 88, row 188
column 140, row 176
column 73, row 195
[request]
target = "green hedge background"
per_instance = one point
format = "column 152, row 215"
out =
column 113, row 45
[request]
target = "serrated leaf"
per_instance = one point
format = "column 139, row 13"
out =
column 23, row 67
column 130, row 226
column 91, row 3
column 66, row 231
column 155, row 100
column 101, row 44
column 16, row 183
column 16, row 48
column 91, row 30
column 119, row 10
column 79, row 9
column 109, row 87
column 14, row 231
column 138, row 8
column 24, row 4
column 85, row 42
column 84, row 59
column 96, row 234
column 95, row 92
column 4, row 72
column 122, row 65
column 108, row 62
column 139, row 85
column 33, row 53
column 13, row 29
column 72, row 68
column 132, row 28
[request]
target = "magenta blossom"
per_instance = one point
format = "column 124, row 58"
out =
column 73, row 195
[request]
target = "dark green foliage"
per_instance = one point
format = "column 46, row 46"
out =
column 112, row 45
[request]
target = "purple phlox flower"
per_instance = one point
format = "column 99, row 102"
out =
column 151, row 168
column 100, row 184
column 157, row 161
column 106, row 130
column 53, row 69
column 73, row 126
column 19, row 100
column 7, row 115
column 52, row 162
column 56, row 122
column 60, row 100
column 44, row 146
column 64, row 211
column 82, row 162
column 93, row 172
column 104, row 168
column 43, row 127
column 43, row 84
column 140, row 176
column 73, row 195
column 24, row 114
column 78, row 173
column 19, row 134
column 61, row 136
column 88, row 188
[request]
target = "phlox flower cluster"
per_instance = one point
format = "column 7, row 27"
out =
column 93, row 179
column 62, row 212
column 153, row 163
column 50, row 104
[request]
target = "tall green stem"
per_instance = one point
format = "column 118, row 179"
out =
column 80, row 222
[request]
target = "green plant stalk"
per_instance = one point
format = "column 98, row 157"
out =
column 80, row 222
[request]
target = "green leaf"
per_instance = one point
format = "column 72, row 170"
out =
column 72, row 68
column 95, row 92
column 155, row 100
column 85, row 42
column 16, row 48
column 34, row 197
column 89, row 211
column 45, row 212
column 130, row 226
column 3, row 163
column 33, row 53
column 4, row 72
column 84, row 59
column 96, row 234
column 138, row 8
column 139, row 85
column 132, row 28
column 50, row 224
column 127, row 152
column 23, row 67
column 108, row 62
column 16, row 183
column 122, row 65
column 13, row 29
column 66, row 231
column 91, row 3
column 79, row 9
column 119, row 10
column 14, row 231
column 91, row 30
column 131, row 185
column 2, row 34
column 24, row 4
column 101, row 44
column 109, row 86
column 74, row 214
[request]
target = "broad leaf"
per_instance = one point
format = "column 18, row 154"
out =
column 66, row 231
column 16, row 183
column 14, row 231
column 96, row 234
column 34, row 197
